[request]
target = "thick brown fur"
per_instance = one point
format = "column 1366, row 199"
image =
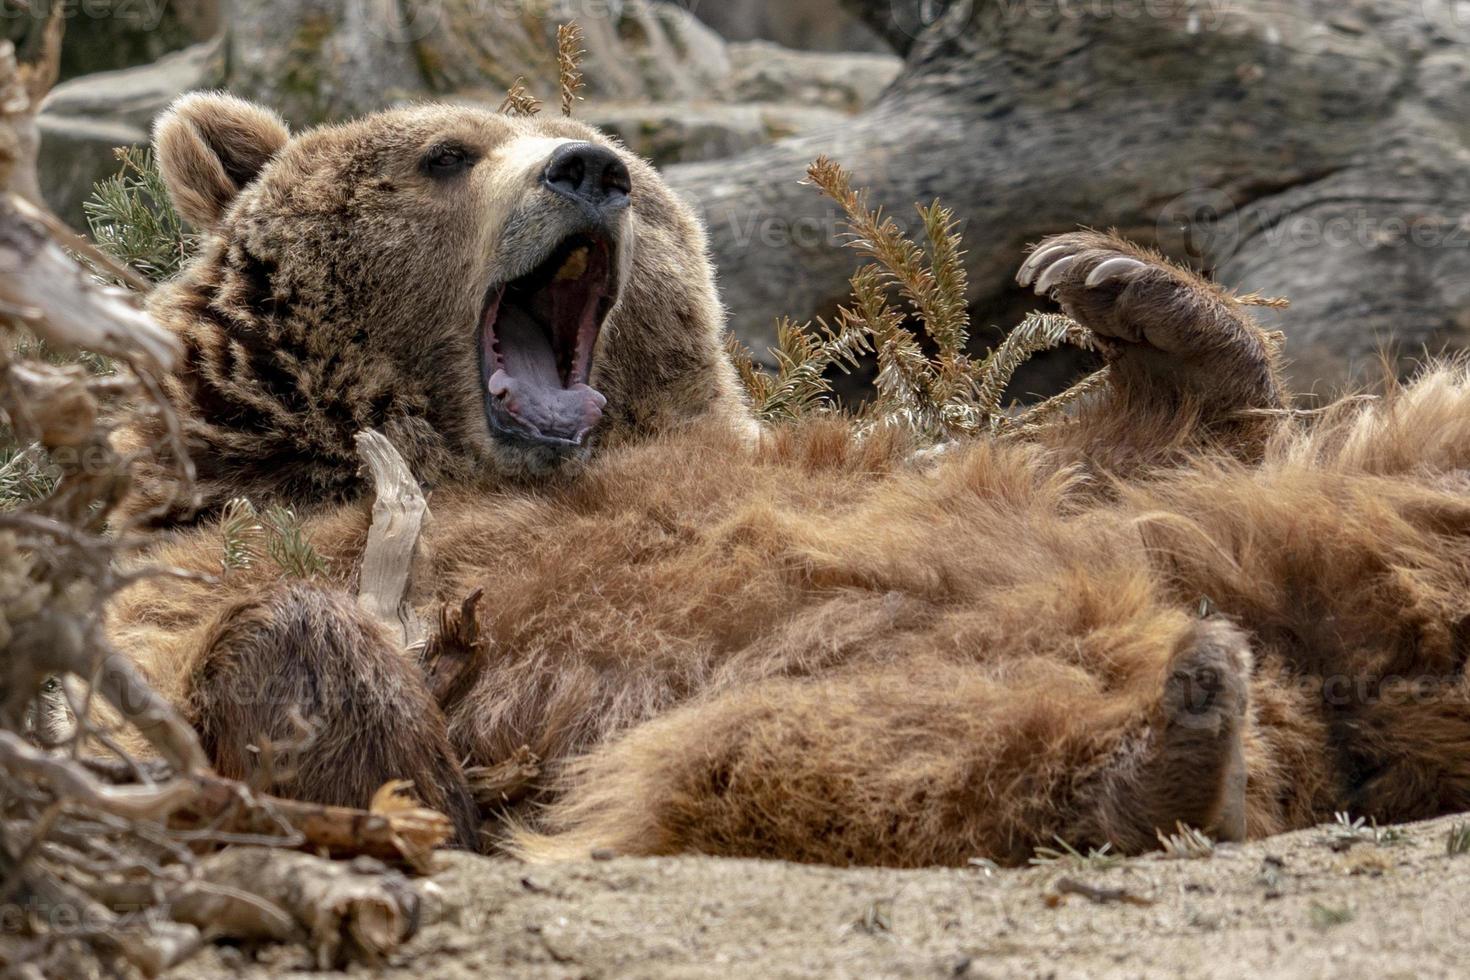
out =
column 338, row 288
column 1186, row 604
column 816, row 652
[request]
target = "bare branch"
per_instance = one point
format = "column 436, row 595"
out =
column 76, row 312
column 68, row 780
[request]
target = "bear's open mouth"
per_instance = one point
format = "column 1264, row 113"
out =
column 536, row 339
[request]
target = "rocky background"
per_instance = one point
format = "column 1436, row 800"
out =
column 675, row 82
column 1312, row 149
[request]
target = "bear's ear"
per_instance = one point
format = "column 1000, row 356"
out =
column 209, row 146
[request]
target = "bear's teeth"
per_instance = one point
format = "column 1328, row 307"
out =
column 575, row 267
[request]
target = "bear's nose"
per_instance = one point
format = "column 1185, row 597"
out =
column 588, row 173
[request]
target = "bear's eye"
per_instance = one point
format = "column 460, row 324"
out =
column 447, row 159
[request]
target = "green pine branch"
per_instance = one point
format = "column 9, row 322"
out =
column 133, row 220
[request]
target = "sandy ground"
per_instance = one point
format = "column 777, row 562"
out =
column 1318, row 903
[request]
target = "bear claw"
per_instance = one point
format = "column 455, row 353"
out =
column 1080, row 259
column 1037, row 261
column 1117, row 291
column 1121, row 267
column 1053, row 274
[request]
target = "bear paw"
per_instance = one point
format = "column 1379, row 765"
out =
column 1205, row 705
column 1163, row 325
column 1124, row 293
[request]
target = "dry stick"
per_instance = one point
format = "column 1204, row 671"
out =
column 399, row 514
column 506, row 782
column 227, row 811
column 80, row 244
column 401, row 835
column 36, row 274
column 344, row 912
column 59, row 300
column 39, row 76
column 66, row 779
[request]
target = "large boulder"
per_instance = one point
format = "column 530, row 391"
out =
column 764, row 72
column 1316, row 150
column 84, row 120
column 818, row 25
column 319, row 60
column 634, row 51
column 656, row 76
column 680, row 132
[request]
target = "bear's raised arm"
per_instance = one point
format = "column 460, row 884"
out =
column 1188, row 362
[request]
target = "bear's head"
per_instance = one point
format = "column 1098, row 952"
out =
column 496, row 294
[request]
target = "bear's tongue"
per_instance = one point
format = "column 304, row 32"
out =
column 528, row 385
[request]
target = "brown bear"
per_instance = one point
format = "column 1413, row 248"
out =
column 1186, row 604
column 386, row 273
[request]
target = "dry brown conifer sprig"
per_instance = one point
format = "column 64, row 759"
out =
column 569, row 53
column 519, row 101
column 934, row 397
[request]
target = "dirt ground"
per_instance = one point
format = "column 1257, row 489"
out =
column 1330, row 902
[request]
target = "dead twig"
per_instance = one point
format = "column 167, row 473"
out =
column 506, row 782
column 1094, row 893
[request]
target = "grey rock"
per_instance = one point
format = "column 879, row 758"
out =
column 135, row 95
column 75, row 154
column 680, row 132
column 105, row 35
column 82, row 121
column 320, row 60
column 638, row 50
column 1264, row 142
column 819, row 25
column 765, row 72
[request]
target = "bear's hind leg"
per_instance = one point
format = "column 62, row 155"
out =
column 1189, row 766
column 299, row 650
column 931, row 764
